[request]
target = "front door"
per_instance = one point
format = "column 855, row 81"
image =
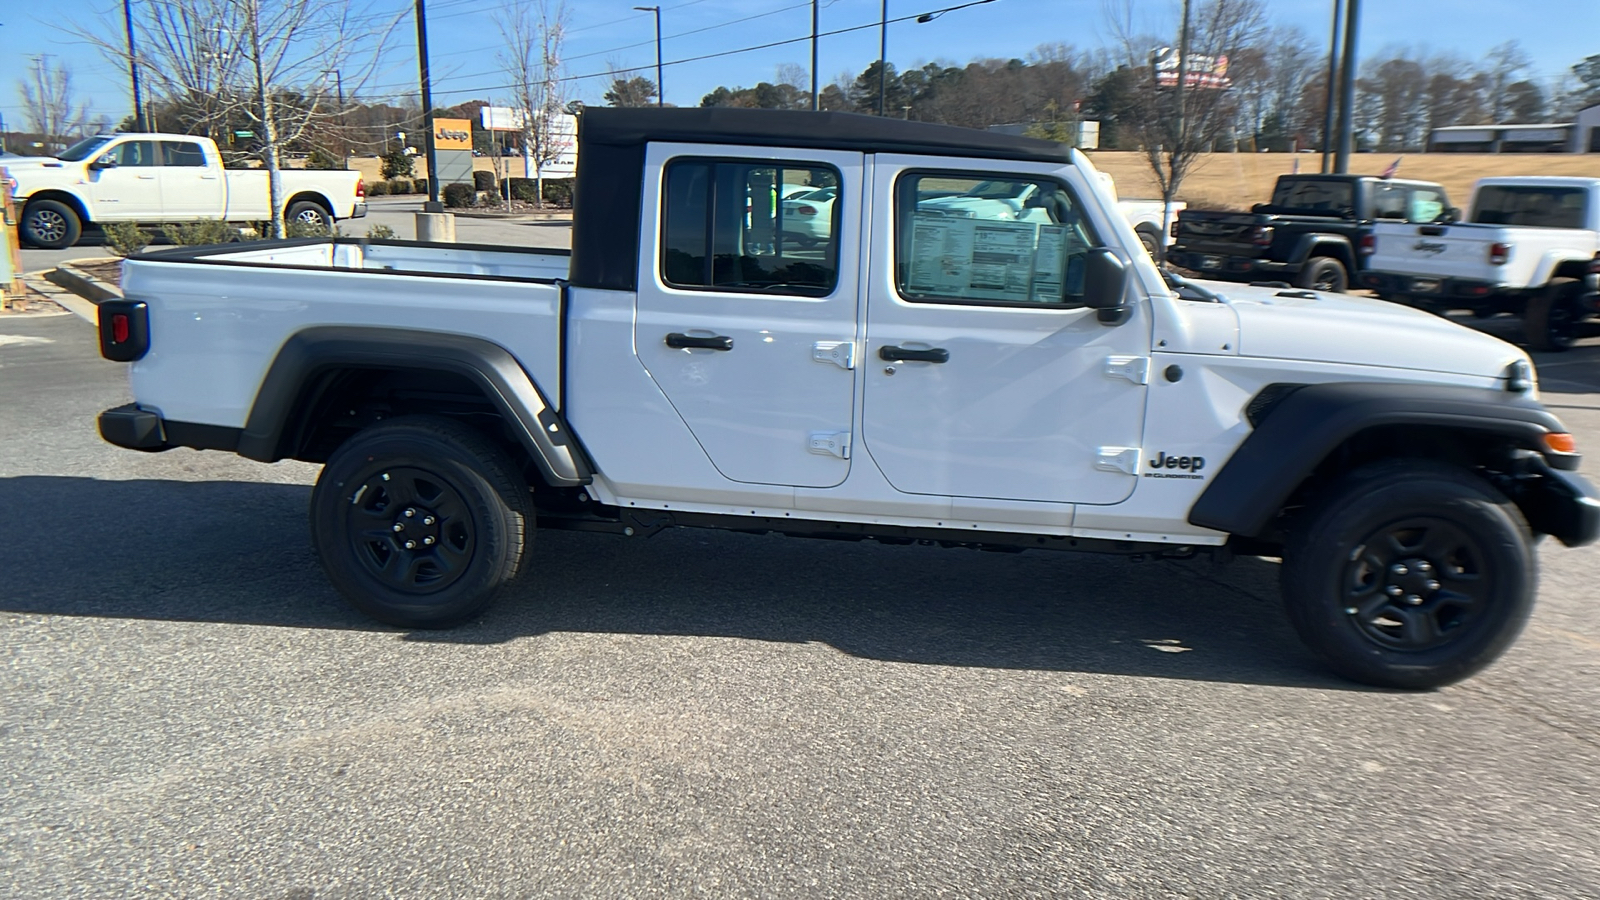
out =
column 190, row 189
column 986, row 376
column 129, row 191
column 747, row 325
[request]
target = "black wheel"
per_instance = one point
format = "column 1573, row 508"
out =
column 420, row 521
column 1410, row 574
column 1324, row 273
column 309, row 215
column 51, row 225
column 1553, row 317
column 1151, row 242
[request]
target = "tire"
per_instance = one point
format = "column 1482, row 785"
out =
column 309, row 213
column 51, row 225
column 438, row 484
column 1436, row 564
column 1553, row 318
column 1324, row 273
column 1151, row 242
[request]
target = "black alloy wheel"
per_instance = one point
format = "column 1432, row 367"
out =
column 421, row 521
column 1409, row 574
column 1324, row 273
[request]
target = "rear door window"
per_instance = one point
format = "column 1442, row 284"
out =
column 1314, row 195
column 182, row 153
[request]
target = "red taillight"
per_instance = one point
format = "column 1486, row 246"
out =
column 1174, row 229
column 119, row 329
column 361, row 189
column 1369, row 244
column 1499, row 253
column 806, row 210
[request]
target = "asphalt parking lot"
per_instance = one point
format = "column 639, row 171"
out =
column 187, row 709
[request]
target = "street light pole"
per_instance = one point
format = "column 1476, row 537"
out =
column 883, row 55
column 1333, row 88
column 661, row 97
column 1347, row 100
column 816, row 99
column 133, row 67
column 433, row 205
column 344, row 139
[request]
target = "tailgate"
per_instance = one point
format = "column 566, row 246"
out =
column 1219, row 232
column 1459, row 250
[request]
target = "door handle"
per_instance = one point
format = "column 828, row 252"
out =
column 681, row 341
column 891, row 353
column 145, row 177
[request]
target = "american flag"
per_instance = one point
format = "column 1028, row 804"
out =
column 1394, row 168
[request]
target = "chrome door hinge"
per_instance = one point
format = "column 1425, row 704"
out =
column 1134, row 368
column 831, row 443
column 840, row 353
column 1118, row 459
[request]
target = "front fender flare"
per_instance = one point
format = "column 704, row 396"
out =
column 1305, row 426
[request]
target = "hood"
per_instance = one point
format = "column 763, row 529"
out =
column 30, row 162
column 1281, row 323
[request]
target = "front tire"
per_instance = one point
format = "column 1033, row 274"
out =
column 421, row 521
column 1554, row 315
column 1410, row 574
column 51, row 225
column 1324, row 273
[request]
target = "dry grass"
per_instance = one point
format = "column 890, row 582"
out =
column 1237, row 180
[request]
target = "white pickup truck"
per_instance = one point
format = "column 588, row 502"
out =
column 154, row 178
column 1530, row 246
column 913, row 376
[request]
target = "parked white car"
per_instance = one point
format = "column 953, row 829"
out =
column 1530, row 246
column 154, row 178
column 808, row 217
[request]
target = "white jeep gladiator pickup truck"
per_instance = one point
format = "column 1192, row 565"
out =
column 153, row 178
column 915, row 377
column 1531, row 246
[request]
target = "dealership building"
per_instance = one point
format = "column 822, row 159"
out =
column 1581, row 135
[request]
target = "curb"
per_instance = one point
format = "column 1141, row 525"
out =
column 72, row 303
column 82, row 283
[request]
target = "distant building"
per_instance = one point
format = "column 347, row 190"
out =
column 1579, row 136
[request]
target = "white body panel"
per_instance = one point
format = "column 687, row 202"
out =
column 1461, row 250
column 179, row 193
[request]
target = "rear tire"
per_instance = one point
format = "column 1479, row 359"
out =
column 1324, row 273
column 1410, row 574
column 310, row 215
column 1151, row 242
column 421, row 521
column 1553, row 318
column 51, row 225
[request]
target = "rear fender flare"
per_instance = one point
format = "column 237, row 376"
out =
column 538, row 426
column 1319, row 244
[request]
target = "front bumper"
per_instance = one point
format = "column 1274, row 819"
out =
column 1563, row 505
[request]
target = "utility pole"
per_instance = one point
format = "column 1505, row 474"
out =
column 1333, row 88
column 816, row 99
column 661, row 89
column 1347, row 105
column 133, row 67
column 1183, row 75
column 433, row 205
column 883, row 56
column 344, row 138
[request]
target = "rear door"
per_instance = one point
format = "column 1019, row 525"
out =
column 748, row 325
column 190, row 189
column 987, row 377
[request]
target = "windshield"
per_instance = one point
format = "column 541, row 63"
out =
column 1313, row 195
column 1535, row 205
column 83, row 149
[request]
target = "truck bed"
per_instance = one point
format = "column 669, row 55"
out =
column 226, row 310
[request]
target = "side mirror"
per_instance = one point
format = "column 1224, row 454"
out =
column 1258, row 207
column 104, row 162
column 1105, row 284
column 1452, row 214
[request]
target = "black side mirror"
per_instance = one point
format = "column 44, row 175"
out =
column 104, row 162
column 1452, row 214
column 1105, row 284
column 1258, row 207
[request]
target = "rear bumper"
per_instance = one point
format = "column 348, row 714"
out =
column 1400, row 285
column 1225, row 267
column 140, row 429
column 358, row 211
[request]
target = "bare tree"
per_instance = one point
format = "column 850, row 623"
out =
column 48, row 102
column 1504, row 64
column 266, row 64
column 1175, row 124
column 533, row 35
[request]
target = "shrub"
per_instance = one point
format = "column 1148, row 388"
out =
column 520, row 188
column 322, row 159
column 483, row 181
column 125, row 238
column 399, row 186
column 378, row 189
column 381, row 233
column 558, row 192
column 396, row 164
column 459, row 196
column 198, row 233
column 299, row 229
column 420, row 185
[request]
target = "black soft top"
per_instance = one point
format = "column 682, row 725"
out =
column 611, row 150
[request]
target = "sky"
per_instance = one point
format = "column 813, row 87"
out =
column 463, row 39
